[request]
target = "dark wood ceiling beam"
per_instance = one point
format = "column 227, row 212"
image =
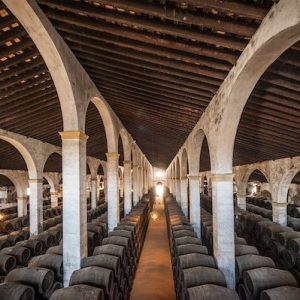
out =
column 7, row 21
column 114, row 32
column 75, row 41
column 141, row 23
column 10, row 35
column 216, row 60
column 81, row 53
column 156, row 74
column 229, row 7
column 153, row 78
column 181, row 16
column 13, row 62
column 26, row 43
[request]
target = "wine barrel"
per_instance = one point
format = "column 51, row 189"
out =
column 35, row 246
column 211, row 292
column 57, row 234
column 294, row 245
column 183, row 227
column 4, row 243
column 46, row 238
column 95, row 276
column 56, row 285
column 196, row 259
column 187, row 240
column 40, row 278
column 53, row 262
column 7, row 263
column 245, row 249
column 281, row 293
column 248, row 262
column 22, row 254
column 181, row 233
column 6, row 227
column 55, row 250
column 16, row 223
column 14, row 237
column 260, row 279
column 105, row 261
column 16, row 291
column 283, row 237
column 191, row 248
column 203, row 275
column 240, row 241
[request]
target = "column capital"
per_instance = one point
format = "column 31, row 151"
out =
column 222, row 177
column 279, row 205
column 194, row 177
column 38, row 180
column 127, row 162
column 112, row 155
column 73, row 135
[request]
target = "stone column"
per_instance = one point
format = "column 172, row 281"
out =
column 36, row 206
column 184, row 195
column 178, row 194
column 93, row 193
column 113, row 190
column 135, row 176
column 54, row 198
column 241, row 201
column 122, row 186
column 127, row 186
column 279, row 211
column 195, row 215
column 140, row 179
column 97, row 189
column 74, row 201
column 105, row 189
column 22, row 206
column 223, row 229
column 144, row 182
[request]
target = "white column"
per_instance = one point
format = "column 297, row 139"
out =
column 195, row 215
column 122, row 186
column 184, row 195
column 135, row 176
column 140, row 179
column 223, row 229
column 127, row 186
column 97, row 189
column 178, row 194
column 54, row 198
column 22, row 206
column 144, row 182
column 241, row 201
column 93, row 193
column 113, row 189
column 279, row 211
column 36, row 205
column 74, row 201
column 105, row 188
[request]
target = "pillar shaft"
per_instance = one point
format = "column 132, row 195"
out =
column 178, row 194
column 105, row 189
column 184, row 195
column 93, row 193
column 127, row 187
column 241, row 201
column 22, row 206
column 74, row 201
column 223, row 225
column 140, row 179
column 36, row 206
column 54, row 198
column 279, row 211
column 113, row 190
column 195, row 215
column 135, row 185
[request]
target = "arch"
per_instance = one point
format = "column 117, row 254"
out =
column 48, row 158
column 184, row 163
column 19, row 188
column 260, row 173
column 30, row 163
column 126, row 141
column 279, row 30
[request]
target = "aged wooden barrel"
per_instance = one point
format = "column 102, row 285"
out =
column 260, row 279
column 7, row 263
column 281, row 293
column 211, row 292
column 187, row 240
column 35, row 246
column 203, row 275
column 114, row 250
column 245, row 249
column 53, row 262
column 78, row 292
column 95, row 276
column 55, row 250
column 191, row 248
column 4, row 243
column 248, row 262
column 40, row 278
column 46, row 238
column 283, row 237
column 294, row 245
column 16, row 291
column 22, row 254
column 196, row 259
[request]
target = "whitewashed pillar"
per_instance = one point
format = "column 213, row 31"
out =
column 135, row 184
column 279, row 211
column 241, row 200
column 105, row 188
column 22, row 206
column 184, row 195
column 178, row 194
column 74, row 201
column 54, row 198
column 127, row 186
column 140, row 179
column 195, row 210
column 113, row 189
column 36, row 206
column 93, row 193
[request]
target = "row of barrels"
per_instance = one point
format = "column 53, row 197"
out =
column 257, row 276
column 292, row 209
column 41, row 271
column 110, row 271
column 281, row 243
column 195, row 272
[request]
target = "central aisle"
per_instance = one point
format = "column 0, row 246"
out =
column 154, row 277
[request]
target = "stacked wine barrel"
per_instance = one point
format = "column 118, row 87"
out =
column 33, row 268
column 109, row 272
column 195, row 272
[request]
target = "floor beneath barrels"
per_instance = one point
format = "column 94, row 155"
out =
column 154, row 277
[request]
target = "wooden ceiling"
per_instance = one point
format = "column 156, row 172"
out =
column 158, row 64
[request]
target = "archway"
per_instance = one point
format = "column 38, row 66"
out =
column 177, row 175
column 184, row 187
column 256, row 183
